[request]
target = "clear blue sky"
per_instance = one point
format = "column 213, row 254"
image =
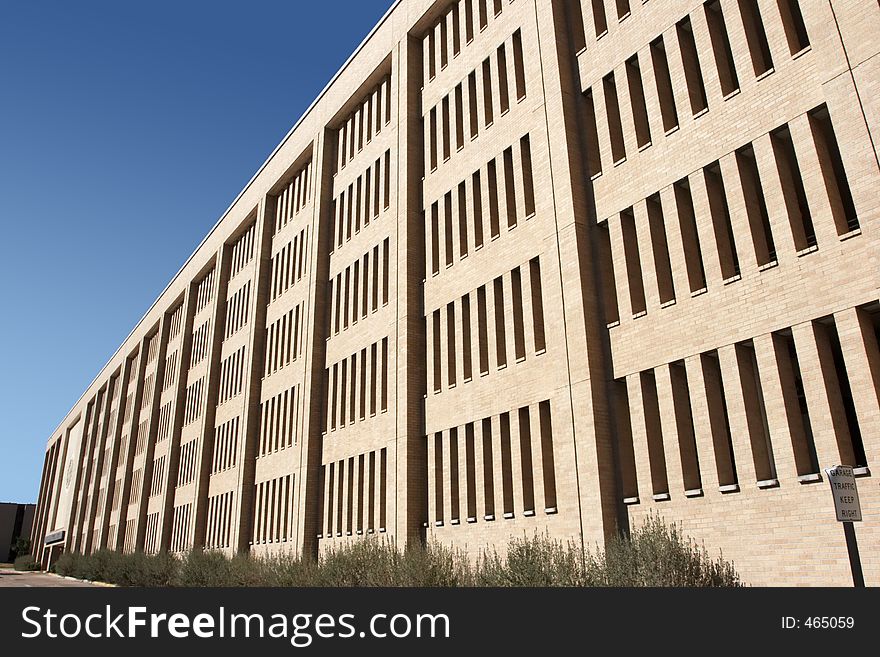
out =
column 126, row 129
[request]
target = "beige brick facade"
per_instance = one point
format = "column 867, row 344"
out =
column 524, row 266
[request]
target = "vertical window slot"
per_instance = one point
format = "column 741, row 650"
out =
column 477, row 191
column 472, row 104
column 684, row 422
column 660, row 249
column 851, row 444
column 799, row 216
column 525, row 451
column 446, row 129
column 519, row 65
column 506, row 467
column 691, row 62
column 548, row 460
column 600, row 20
column 612, row 109
column 633, row 263
column 721, row 47
column 537, row 304
column 656, row 454
column 462, row 221
column 690, row 238
column 454, row 481
column 470, row 468
column 435, row 239
column 487, row 94
column 459, row 118
column 662, row 78
column 725, row 462
column 756, row 413
column 500, row 329
column 756, row 206
column 525, row 149
column 466, row 337
column 519, row 337
column 594, row 159
column 833, row 173
column 756, row 37
column 450, row 346
column 794, row 26
column 447, row 223
column 509, row 188
column 493, row 199
column 609, row 285
column 488, row 470
column 438, row 476
column 483, row 329
column 721, row 224
column 637, row 101
column 503, row 89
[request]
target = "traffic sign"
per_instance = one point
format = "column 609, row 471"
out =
column 846, row 495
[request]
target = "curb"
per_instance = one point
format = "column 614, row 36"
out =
column 87, row 581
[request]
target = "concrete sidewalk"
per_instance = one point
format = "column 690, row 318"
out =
column 10, row 578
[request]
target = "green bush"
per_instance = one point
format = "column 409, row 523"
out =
column 21, row 547
column 26, row 562
column 657, row 554
column 654, row 554
column 211, row 568
column 67, row 563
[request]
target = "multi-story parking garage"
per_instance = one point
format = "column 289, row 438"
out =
column 523, row 266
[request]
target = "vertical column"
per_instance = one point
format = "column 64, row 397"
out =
column 199, row 518
column 185, row 355
column 581, row 423
column 146, row 480
column 115, row 438
column 141, row 355
column 408, row 456
column 109, row 396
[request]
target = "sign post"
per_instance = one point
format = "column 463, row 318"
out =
column 848, row 510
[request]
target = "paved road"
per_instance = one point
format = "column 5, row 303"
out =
column 10, row 577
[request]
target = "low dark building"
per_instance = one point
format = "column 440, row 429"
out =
column 15, row 520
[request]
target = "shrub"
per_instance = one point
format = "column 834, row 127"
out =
column 67, row 563
column 655, row 554
column 369, row 562
column 212, row 568
column 289, row 570
column 536, row 561
column 139, row 569
column 26, row 562
column 21, row 547
column 435, row 565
